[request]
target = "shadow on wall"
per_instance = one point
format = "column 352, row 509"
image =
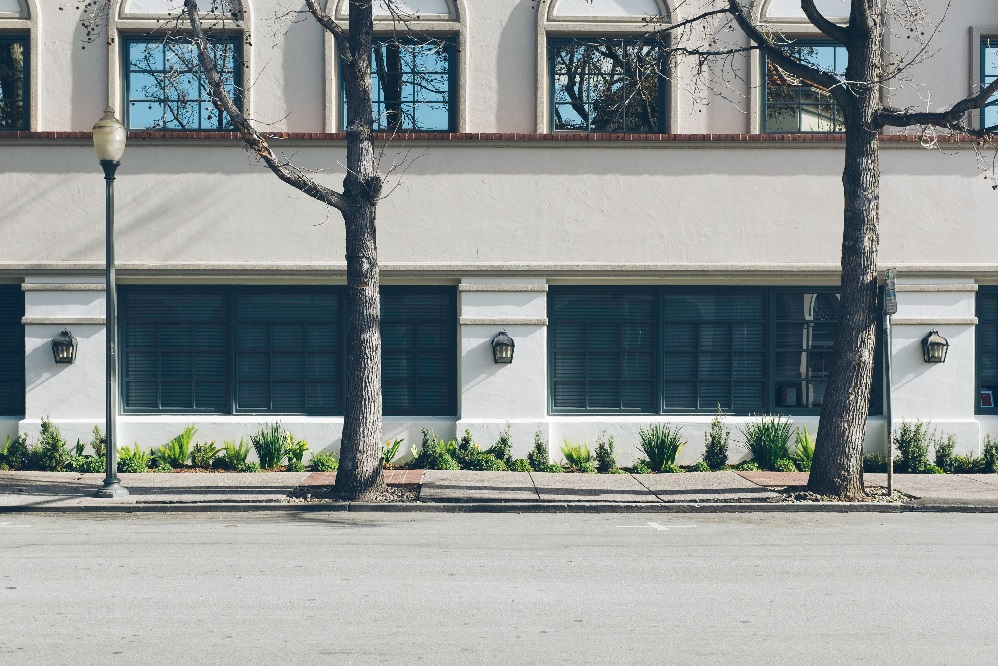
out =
column 480, row 354
column 40, row 367
column 911, row 354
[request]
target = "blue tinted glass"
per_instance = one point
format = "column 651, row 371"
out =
column 989, row 72
column 166, row 89
column 798, row 106
column 410, row 85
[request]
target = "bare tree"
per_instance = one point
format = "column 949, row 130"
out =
column 359, row 476
column 858, row 93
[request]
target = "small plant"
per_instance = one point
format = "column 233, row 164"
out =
column 606, row 457
column 661, row 444
column 578, row 457
column 912, row 444
column 521, row 465
column 700, row 466
column 132, row 460
column 234, row 455
column 390, row 451
column 203, row 455
column 295, row 450
column 715, row 453
column 436, row 453
column 323, row 462
column 640, row 467
column 177, row 451
column 50, row 453
column 503, row 448
column 86, row 464
column 747, row 466
column 968, row 464
column 486, row 462
column 465, row 451
column 98, row 443
column 989, row 456
column 945, row 453
column 247, row 467
column 804, row 453
column 767, row 440
column 785, row 465
column 874, row 463
column 14, row 453
column 538, row 458
column 269, row 443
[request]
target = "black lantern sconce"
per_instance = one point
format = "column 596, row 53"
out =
column 64, row 347
column 502, row 348
column 934, row 348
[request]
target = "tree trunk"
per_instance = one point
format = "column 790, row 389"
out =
column 359, row 476
column 838, row 455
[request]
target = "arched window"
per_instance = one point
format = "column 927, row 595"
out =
column 789, row 11
column 160, row 82
column 18, row 70
column 599, row 70
column 417, row 67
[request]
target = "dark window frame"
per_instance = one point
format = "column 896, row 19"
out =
column 236, row 38
column 984, row 323
column 663, row 83
column 230, row 294
column 12, row 351
column 764, row 74
column 769, row 379
column 25, row 40
column 453, row 81
column 988, row 42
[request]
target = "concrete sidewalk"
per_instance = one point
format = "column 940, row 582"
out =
column 482, row 491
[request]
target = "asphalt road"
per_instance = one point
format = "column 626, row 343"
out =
column 498, row 589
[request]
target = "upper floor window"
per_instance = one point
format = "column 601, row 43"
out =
column 14, row 71
column 165, row 88
column 989, row 72
column 793, row 105
column 412, row 84
column 604, row 84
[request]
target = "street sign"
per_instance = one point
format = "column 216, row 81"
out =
column 891, row 295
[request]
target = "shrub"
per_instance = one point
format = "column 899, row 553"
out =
column 86, row 464
column 944, row 453
column 989, row 455
column 436, row 453
column 234, row 455
column 606, row 457
column 785, row 465
column 177, row 451
column 767, row 440
column 50, row 453
column 465, row 451
column 671, row 468
column 14, row 453
column 804, row 453
column 521, row 465
column 323, row 462
column 486, row 462
column 912, row 444
column 968, row 464
column 538, row 457
column 98, row 443
column 249, row 467
column 295, row 450
column 269, row 443
column 203, row 454
column 700, row 466
column 390, row 451
column 747, row 466
column 640, row 467
column 715, row 453
column 874, row 463
column 661, row 444
column 132, row 460
column 577, row 456
column 503, row 448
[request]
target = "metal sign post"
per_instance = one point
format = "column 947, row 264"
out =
column 890, row 308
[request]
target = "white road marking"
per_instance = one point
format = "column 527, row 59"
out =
column 654, row 526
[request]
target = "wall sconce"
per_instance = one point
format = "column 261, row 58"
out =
column 64, row 347
column 502, row 348
column 934, row 348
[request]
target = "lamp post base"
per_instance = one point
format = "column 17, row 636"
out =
column 113, row 490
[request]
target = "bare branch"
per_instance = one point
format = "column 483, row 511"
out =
column 253, row 139
column 831, row 30
column 954, row 118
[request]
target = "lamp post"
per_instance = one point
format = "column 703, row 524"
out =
column 109, row 142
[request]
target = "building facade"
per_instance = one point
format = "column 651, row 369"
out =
column 657, row 245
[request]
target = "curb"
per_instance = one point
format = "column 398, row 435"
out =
column 509, row 507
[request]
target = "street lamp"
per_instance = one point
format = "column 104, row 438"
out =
column 109, row 142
